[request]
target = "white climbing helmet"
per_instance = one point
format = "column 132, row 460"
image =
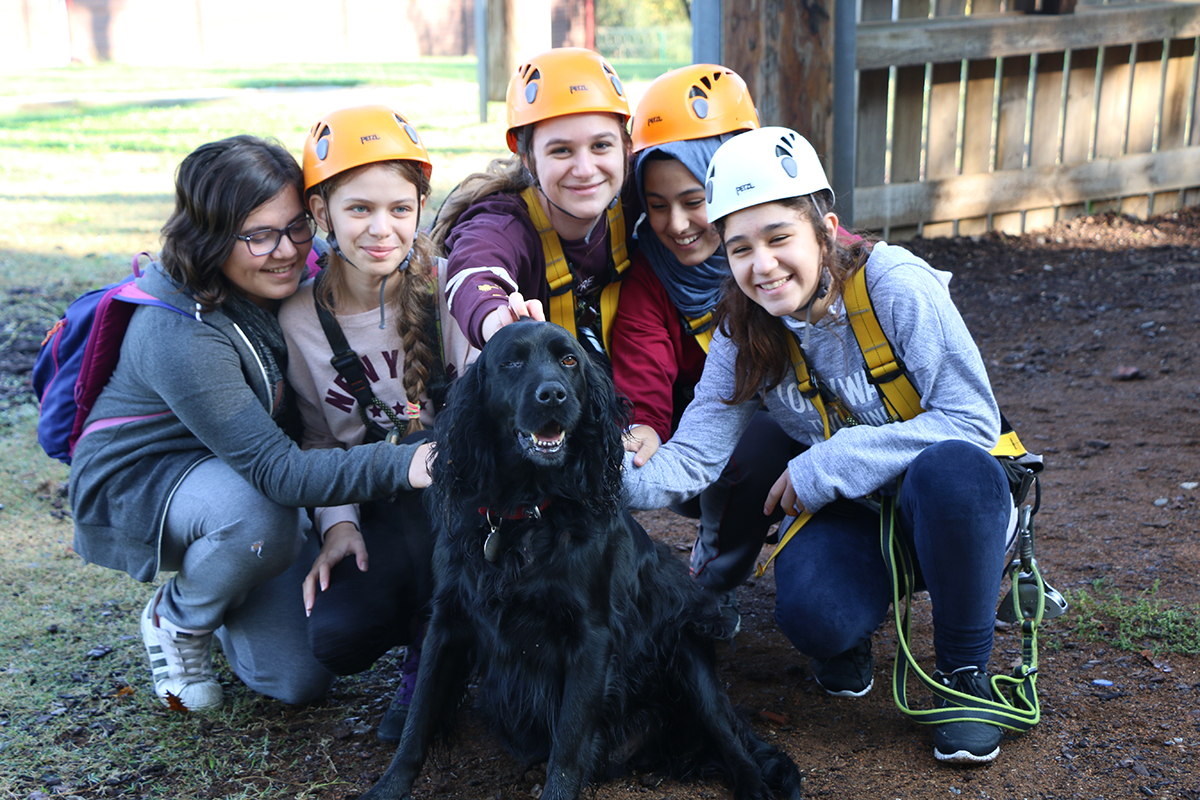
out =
column 761, row 166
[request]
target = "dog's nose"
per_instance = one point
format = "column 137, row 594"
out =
column 551, row 393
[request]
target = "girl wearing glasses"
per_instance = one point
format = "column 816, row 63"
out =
column 373, row 308
column 186, row 465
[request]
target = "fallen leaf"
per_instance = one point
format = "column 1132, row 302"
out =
column 772, row 717
column 175, row 704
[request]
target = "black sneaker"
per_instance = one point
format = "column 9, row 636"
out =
column 966, row 742
column 392, row 724
column 848, row 674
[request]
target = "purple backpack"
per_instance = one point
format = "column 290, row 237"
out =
column 77, row 358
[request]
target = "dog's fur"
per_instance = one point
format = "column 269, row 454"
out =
column 594, row 647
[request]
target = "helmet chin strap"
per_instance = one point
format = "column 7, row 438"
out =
column 821, row 291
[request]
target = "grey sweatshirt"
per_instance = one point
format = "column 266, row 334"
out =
column 206, row 391
column 914, row 309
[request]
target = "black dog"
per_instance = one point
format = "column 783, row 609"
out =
column 594, row 648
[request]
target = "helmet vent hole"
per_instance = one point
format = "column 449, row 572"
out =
column 706, row 82
column 781, row 151
column 323, row 143
column 696, row 91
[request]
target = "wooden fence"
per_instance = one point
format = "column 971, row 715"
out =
column 974, row 117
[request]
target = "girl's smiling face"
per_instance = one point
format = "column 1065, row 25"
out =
column 675, row 208
column 374, row 216
column 264, row 280
column 579, row 161
column 777, row 259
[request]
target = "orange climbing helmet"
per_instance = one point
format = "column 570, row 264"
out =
column 692, row 102
column 566, row 80
column 351, row 137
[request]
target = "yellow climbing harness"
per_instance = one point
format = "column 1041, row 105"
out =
column 1015, row 704
column 563, row 305
column 701, row 328
column 885, row 371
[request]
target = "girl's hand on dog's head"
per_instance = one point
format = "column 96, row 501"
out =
column 518, row 308
column 421, row 465
column 642, row 441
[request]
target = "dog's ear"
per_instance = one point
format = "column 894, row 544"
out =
column 603, row 425
column 462, row 462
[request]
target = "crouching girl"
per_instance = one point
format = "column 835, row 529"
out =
column 771, row 202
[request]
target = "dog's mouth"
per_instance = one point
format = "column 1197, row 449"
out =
column 549, row 440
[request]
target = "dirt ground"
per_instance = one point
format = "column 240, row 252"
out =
column 1090, row 334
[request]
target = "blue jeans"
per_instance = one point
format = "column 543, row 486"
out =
column 953, row 513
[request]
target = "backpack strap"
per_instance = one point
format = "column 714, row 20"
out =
column 349, row 366
column 561, row 279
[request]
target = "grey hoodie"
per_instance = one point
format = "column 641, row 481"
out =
column 198, row 390
column 914, row 309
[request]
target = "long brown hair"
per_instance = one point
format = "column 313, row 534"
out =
column 410, row 295
column 763, row 359
column 217, row 186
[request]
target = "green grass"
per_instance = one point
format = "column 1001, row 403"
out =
column 110, row 78
column 1142, row 622
column 84, row 187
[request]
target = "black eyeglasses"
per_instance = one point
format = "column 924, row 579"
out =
column 264, row 242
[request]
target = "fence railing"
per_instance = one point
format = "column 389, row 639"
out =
column 977, row 118
column 659, row 43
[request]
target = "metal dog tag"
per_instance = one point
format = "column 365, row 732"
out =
column 492, row 543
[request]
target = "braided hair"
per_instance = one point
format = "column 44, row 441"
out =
column 411, row 294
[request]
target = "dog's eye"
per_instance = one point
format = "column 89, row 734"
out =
column 569, row 361
column 512, row 365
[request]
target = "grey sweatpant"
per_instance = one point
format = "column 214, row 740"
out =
column 239, row 560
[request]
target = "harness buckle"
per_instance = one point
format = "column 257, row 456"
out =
column 885, row 373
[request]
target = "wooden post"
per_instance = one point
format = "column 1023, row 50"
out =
column 706, row 32
column 517, row 29
column 784, row 51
